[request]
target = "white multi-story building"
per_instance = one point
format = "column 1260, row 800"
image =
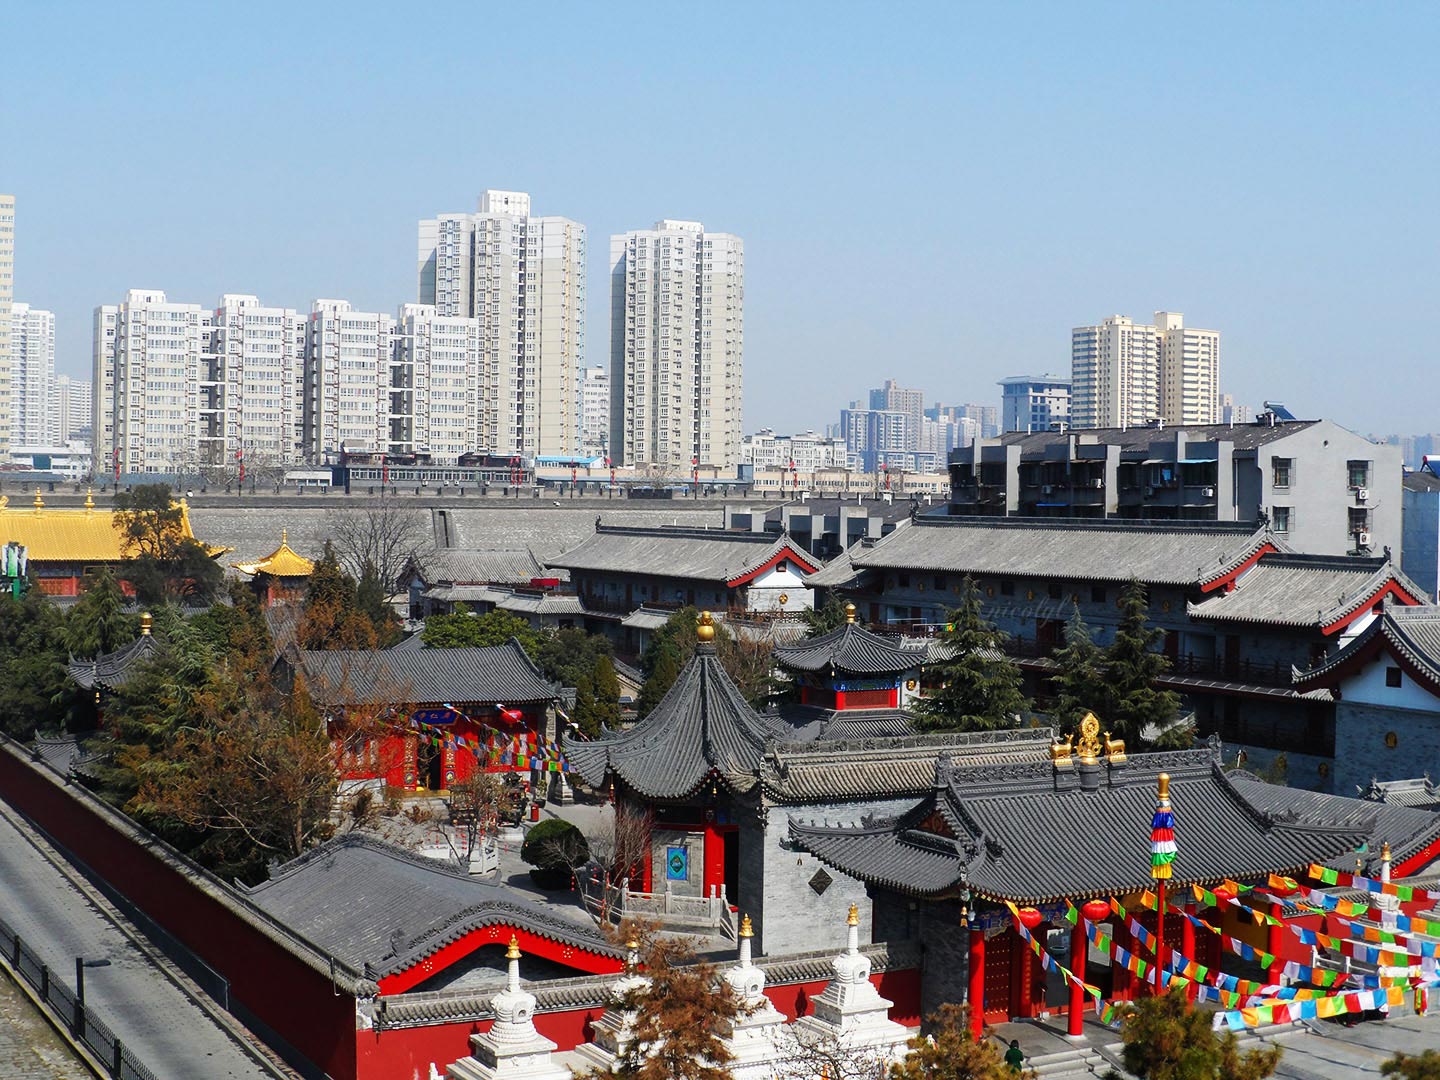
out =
column 252, row 387
column 677, row 337
column 347, row 362
column 32, row 369
column 72, row 406
column 1034, row 403
column 1125, row 373
column 594, row 412
column 805, row 452
column 523, row 279
column 431, row 396
column 149, row 355
column 7, row 296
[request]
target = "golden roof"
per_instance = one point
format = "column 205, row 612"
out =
column 282, row 562
column 54, row 534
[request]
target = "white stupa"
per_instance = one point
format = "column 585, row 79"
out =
column 849, row 1013
column 751, row 1038
column 616, row 1026
column 512, row 1049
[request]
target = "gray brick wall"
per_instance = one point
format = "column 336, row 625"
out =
column 1361, row 753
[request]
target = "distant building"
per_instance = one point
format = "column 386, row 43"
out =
column 72, row 403
column 595, row 412
column 894, row 398
column 523, row 279
column 874, row 437
column 1420, row 552
column 1231, row 413
column 7, row 297
column 251, row 385
column 348, row 362
column 1125, row 373
column 1323, row 489
column 32, row 370
column 431, row 397
column 71, row 460
column 677, row 346
column 805, row 452
column 985, row 417
column 1034, row 402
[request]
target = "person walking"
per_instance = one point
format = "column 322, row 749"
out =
column 1015, row 1057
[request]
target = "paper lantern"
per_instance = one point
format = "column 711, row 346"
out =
column 1030, row 918
column 1224, row 893
column 1095, row 910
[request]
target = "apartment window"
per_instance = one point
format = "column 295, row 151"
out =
column 1007, row 587
column 1097, row 594
column 1282, row 467
column 1281, row 519
column 1359, row 519
column 1359, row 472
column 1393, row 677
column 1053, row 590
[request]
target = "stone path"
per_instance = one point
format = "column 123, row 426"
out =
column 29, row 1046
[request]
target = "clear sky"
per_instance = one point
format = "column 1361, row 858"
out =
column 934, row 193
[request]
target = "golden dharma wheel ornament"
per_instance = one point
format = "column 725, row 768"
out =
column 849, row 612
column 706, row 630
column 1089, row 748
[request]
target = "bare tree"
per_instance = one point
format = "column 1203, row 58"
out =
column 618, row 847
column 377, row 540
column 803, row 1054
column 475, row 804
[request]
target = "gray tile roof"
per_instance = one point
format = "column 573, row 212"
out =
column 812, row 722
column 644, row 618
column 483, row 566
column 1412, row 633
column 1418, row 792
column 113, row 670
column 1175, row 553
column 698, row 554
column 1030, row 833
column 702, row 728
column 1140, row 439
column 541, row 603
column 1421, row 480
column 1304, row 590
column 838, row 573
column 499, row 673
column 1406, row 829
column 854, row 649
column 371, row 903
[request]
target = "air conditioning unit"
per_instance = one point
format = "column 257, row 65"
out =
column 1362, row 494
column 1047, row 490
column 1209, row 493
column 1098, row 484
column 1362, row 538
column 1149, row 491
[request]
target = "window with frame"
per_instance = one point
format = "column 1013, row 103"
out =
column 1359, row 519
column 1007, row 586
column 1281, row 519
column 1358, row 473
column 1282, row 470
column 1393, row 677
column 1097, row 594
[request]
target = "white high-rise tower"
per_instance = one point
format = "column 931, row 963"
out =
column 677, row 337
column 523, row 279
column 32, row 370
column 1127, row 374
column 7, row 296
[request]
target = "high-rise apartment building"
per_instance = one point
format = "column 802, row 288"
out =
column 677, row 340
column 431, row 395
column 1125, row 373
column 32, row 369
column 523, row 279
column 251, row 385
column 595, row 412
column 72, row 403
column 1034, row 402
column 347, row 363
column 894, row 398
column 149, row 356
column 7, row 297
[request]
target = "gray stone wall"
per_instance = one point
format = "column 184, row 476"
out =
column 945, row 961
column 1361, row 752
column 661, row 840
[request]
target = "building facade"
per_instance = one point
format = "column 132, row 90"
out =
column 7, row 297
column 895, row 398
column 523, row 279
column 32, row 370
column 432, row 393
column 1034, row 402
column 252, row 385
column 347, row 364
column 805, row 452
column 595, row 413
column 73, row 404
column 1125, row 373
column 677, row 342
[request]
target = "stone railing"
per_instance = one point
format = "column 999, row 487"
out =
column 615, row 903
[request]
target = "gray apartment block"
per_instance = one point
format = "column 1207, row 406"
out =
column 1323, row 489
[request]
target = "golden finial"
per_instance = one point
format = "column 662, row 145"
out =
column 706, row 630
column 632, row 944
column 1089, row 748
column 849, row 612
column 1164, row 787
column 1385, row 851
column 89, row 499
column 284, row 536
column 513, row 953
column 146, row 620
column 4, row 502
column 746, row 930
column 853, row 919
column 39, row 502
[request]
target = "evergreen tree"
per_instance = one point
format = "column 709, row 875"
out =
column 333, row 618
column 663, row 657
column 982, row 686
column 237, row 631
column 33, row 682
column 1079, row 678
column 569, row 654
column 1132, row 664
column 606, row 688
column 1165, row 1039
column 165, row 565
column 820, row 621
column 950, row 1052
column 584, row 712
column 98, row 623
column 463, row 630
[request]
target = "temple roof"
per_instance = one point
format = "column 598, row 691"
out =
column 62, row 535
column 1031, row 833
column 111, row 671
column 503, row 674
column 853, row 649
column 468, row 566
column 702, row 728
column 282, row 562
column 1169, row 553
column 1319, row 591
column 699, row 554
column 1411, row 634
column 373, row 904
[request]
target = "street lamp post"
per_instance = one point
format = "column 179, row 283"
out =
column 80, row 965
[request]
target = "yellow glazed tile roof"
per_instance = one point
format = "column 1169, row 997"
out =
column 64, row 535
column 282, row 562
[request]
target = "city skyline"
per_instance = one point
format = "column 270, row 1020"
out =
column 996, row 287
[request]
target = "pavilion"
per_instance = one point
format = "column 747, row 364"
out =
column 280, row 577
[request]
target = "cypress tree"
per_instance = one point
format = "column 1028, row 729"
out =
column 982, row 687
column 1079, row 679
column 1132, row 664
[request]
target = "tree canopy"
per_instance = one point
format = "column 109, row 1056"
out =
column 165, row 564
column 1423, row 1066
column 950, row 1052
column 464, row 630
column 1165, row 1039
column 981, row 686
column 831, row 616
column 333, row 616
column 1079, row 679
column 1132, row 701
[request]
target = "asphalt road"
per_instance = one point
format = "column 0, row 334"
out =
column 140, row 1002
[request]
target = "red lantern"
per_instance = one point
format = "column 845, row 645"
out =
column 1030, row 918
column 1095, row 910
column 1224, row 893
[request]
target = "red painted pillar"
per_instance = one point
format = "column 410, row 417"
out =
column 1079, row 948
column 1024, row 969
column 1274, row 934
column 976, row 996
column 1187, row 947
column 1119, row 973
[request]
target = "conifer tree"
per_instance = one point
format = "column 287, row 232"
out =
column 822, row 620
column 1132, row 665
column 682, row 1012
column 1165, row 1039
column 982, row 688
column 1079, row 678
column 98, row 623
column 606, row 688
column 950, row 1052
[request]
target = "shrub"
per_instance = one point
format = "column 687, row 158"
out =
column 555, row 848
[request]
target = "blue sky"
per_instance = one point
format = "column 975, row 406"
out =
column 934, row 193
